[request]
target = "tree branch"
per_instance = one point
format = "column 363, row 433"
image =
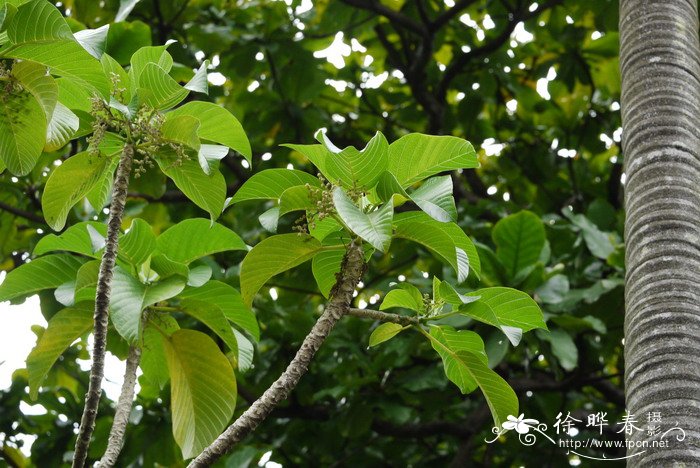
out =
column 445, row 17
column 22, row 213
column 394, row 16
column 121, row 415
column 341, row 296
column 102, row 297
column 383, row 316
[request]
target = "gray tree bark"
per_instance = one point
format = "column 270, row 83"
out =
column 660, row 64
column 102, row 297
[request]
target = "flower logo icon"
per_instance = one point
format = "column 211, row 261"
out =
column 520, row 424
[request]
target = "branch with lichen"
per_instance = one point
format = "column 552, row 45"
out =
column 351, row 271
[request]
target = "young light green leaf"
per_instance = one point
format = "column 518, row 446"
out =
column 519, row 239
column 513, row 311
column 215, row 294
column 203, row 390
column 76, row 238
column 270, row 184
column 217, row 125
column 46, row 272
column 273, row 256
column 63, row 329
column 206, row 191
column 404, row 295
column 374, row 227
column 199, row 275
column 435, row 198
column 415, row 157
column 384, row 332
column 158, row 89
column 195, row 238
column 354, row 167
column 68, row 184
column 270, row 218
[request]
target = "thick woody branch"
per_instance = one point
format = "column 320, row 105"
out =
column 102, row 297
column 121, row 415
column 341, row 296
column 383, row 316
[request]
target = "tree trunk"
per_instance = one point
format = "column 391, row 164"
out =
column 660, row 64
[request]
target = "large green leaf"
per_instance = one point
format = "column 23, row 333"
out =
column 519, row 239
column 374, row 227
column 203, row 390
column 273, row 256
column 435, row 198
column 415, row 156
column 446, row 240
column 181, row 129
column 217, row 295
column 77, row 239
column 130, row 297
column 270, row 184
column 158, row 89
column 214, row 319
column 510, row 310
column 466, row 365
column 352, row 167
column 63, row 329
column 68, row 184
column 206, row 191
column 22, row 132
column 137, row 245
column 34, row 78
column 153, row 360
column 46, row 272
column 39, row 33
column 218, row 125
column 195, row 238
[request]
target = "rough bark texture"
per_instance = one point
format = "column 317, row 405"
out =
column 121, row 414
column 383, row 316
column 660, row 64
column 102, row 296
column 341, row 297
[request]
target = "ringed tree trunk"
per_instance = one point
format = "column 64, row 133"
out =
column 660, row 65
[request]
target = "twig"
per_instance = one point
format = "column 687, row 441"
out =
column 121, row 415
column 22, row 213
column 352, row 269
column 383, row 316
column 102, row 296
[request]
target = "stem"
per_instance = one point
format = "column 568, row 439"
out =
column 341, row 297
column 102, row 296
column 121, row 415
column 383, row 316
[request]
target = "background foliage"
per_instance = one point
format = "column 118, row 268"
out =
column 466, row 68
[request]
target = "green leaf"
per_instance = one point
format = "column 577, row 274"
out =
column 199, row 275
column 318, row 155
column 153, row 360
column 39, row 33
column 217, row 125
column 157, row 55
column 270, row 184
column 384, row 332
column 209, row 157
column 203, row 390
column 195, row 238
column 374, row 227
column 206, row 191
column 75, row 239
column 218, row 295
column 510, row 310
column 63, row 329
column 199, row 82
column 388, row 186
column 137, row 245
column 130, row 297
column 46, row 272
column 68, row 184
column 353, row 167
column 295, row 199
column 214, row 319
column 181, row 129
column 164, row 267
column 273, row 256
column 434, row 197
column 466, row 365
column 34, row 78
column 93, row 40
column 61, row 128
column 404, row 295
column 100, row 193
column 446, row 240
column 244, row 359
column 598, row 242
column 563, row 348
column 269, row 219
column 324, row 267
column 415, row 157
column 519, row 239
column 22, row 132
column 86, row 281
column 158, row 89
column 112, row 69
